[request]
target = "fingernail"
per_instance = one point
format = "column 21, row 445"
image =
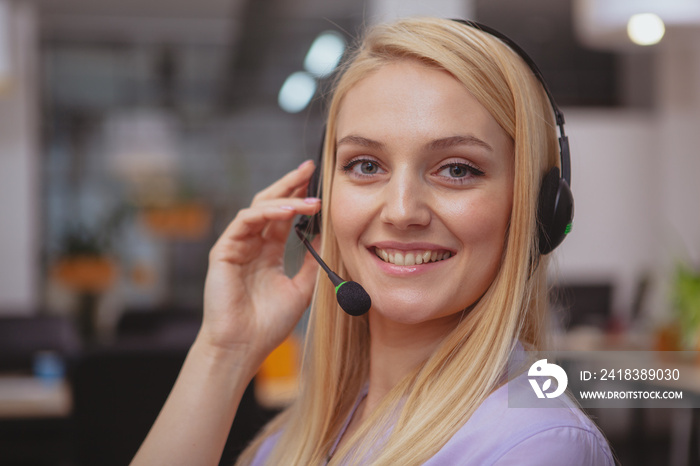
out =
column 287, row 207
column 311, row 200
column 305, row 163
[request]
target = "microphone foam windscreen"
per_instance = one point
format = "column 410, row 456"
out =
column 353, row 298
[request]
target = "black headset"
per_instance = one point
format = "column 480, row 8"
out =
column 555, row 208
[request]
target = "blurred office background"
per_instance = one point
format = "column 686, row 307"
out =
column 132, row 131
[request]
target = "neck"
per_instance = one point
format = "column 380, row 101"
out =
column 396, row 349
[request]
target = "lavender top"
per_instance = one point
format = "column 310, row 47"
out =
column 499, row 435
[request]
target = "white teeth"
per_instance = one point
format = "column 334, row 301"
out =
column 412, row 258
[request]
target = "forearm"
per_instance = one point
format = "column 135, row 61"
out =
column 194, row 423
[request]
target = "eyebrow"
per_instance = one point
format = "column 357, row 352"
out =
column 437, row 144
column 361, row 141
column 452, row 141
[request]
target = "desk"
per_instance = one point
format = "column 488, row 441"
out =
column 28, row 397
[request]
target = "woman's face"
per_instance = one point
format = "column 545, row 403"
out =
column 422, row 193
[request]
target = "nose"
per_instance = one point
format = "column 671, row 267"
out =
column 404, row 201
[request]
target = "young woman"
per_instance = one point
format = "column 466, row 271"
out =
column 437, row 141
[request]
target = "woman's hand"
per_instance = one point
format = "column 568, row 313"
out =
column 250, row 304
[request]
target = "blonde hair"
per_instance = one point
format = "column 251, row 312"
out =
column 427, row 408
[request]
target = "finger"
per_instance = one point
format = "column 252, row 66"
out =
column 301, row 191
column 287, row 185
column 241, row 240
column 280, row 230
column 253, row 220
column 305, row 279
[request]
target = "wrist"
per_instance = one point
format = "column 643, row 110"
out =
column 237, row 361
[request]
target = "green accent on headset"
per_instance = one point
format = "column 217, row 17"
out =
column 338, row 287
column 568, row 228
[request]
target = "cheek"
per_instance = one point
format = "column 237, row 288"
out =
column 347, row 217
column 481, row 225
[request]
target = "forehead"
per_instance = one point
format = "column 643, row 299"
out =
column 407, row 101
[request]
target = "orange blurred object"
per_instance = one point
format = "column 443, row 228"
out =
column 142, row 275
column 276, row 383
column 667, row 338
column 190, row 220
column 86, row 274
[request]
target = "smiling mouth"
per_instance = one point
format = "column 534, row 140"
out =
column 393, row 256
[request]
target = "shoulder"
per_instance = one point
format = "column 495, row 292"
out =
column 503, row 435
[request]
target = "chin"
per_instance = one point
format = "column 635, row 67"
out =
column 408, row 311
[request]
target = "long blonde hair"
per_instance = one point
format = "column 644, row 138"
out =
column 426, row 409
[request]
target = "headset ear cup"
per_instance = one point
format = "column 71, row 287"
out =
column 555, row 211
column 563, row 214
column 545, row 209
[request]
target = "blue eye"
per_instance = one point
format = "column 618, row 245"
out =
column 362, row 167
column 459, row 171
column 367, row 167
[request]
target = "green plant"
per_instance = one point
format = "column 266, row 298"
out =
column 686, row 296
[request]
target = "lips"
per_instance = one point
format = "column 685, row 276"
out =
column 415, row 257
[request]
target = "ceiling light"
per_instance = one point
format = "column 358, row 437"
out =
column 296, row 92
column 324, row 54
column 645, row 29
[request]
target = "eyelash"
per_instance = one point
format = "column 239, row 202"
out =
column 472, row 171
column 348, row 167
